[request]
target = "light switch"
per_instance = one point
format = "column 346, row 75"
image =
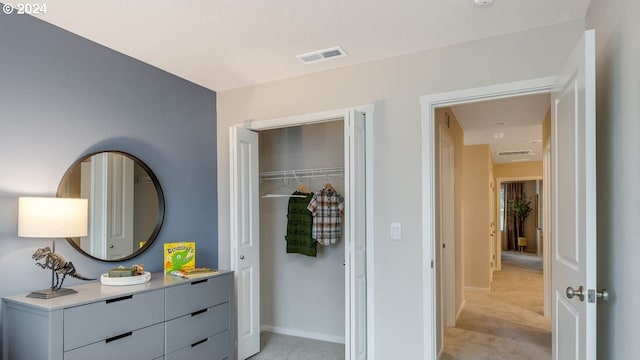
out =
column 396, row 231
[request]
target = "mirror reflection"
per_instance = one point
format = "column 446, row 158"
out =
column 126, row 204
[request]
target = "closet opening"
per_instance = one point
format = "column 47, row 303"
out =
column 303, row 295
column 302, row 287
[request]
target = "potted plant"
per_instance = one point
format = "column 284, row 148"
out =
column 521, row 207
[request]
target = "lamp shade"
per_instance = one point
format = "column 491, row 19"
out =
column 42, row 217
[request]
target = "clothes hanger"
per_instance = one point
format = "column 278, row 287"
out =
column 302, row 187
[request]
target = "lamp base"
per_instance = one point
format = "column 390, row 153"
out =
column 49, row 293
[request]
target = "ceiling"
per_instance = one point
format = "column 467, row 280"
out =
column 508, row 124
column 226, row 44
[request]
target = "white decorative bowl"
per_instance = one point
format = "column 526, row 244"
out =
column 127, row 280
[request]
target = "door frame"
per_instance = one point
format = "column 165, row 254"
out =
column 429, row 103
column 324, row 116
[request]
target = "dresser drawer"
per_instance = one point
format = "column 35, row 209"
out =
column 145, row 343
column 98, row 321
column 197, row 295
column 191, row 328
column 212, row 348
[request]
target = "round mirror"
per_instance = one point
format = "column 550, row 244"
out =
column 126, row 204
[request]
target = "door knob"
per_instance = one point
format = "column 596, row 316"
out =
column 602, row 295
column 241, row 257
column 571, row 292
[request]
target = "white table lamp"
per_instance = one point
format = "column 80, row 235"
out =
column 51, row 218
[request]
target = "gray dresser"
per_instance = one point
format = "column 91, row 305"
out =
column 166, row 318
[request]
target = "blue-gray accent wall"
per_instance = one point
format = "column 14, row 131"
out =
column 61, row 97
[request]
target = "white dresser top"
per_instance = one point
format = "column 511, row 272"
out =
column 95, row 291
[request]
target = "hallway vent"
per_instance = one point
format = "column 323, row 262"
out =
column 515, row 152
column 322, row 55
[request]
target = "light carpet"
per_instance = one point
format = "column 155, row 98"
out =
column 283, row 347
column 507, row 322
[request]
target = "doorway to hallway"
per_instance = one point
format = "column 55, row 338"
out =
column 469, row 234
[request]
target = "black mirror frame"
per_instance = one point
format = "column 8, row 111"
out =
column 156, row 184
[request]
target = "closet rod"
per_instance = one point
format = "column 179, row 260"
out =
column 301, row 173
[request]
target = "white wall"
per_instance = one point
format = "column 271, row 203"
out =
column 300, row 295
column 394, row 86
column 617, row 130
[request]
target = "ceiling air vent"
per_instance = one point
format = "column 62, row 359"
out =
column 515, row 152
column 322, row 55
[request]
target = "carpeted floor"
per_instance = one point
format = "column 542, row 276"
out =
column 284, row 347
column 507, row 322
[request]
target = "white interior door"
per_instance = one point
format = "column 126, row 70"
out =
column 245, row 251
column 447, row 232
column 119, row 212
column 355, row 258
column 546, row 229
column 574, row 205
column 107, row 181
column 493, row 209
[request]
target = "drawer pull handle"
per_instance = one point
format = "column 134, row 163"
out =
column 199, row 282
column 199, row 342
column 119, row 299
column 199, row 312
column 118, row 337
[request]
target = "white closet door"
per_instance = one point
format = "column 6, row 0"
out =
column 355, row 257
column 245, row 249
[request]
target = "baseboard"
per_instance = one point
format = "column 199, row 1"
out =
column 477, row 289
column 464, row 302
column 303, row 334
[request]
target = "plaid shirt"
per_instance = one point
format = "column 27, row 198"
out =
column 326, row 206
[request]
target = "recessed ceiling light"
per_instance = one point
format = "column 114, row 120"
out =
column 498, row 136
column 482, row 2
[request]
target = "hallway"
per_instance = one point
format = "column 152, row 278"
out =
column 506, row 323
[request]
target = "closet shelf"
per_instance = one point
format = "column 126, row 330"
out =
column 301, row 173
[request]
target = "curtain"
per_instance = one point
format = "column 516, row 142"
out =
column 511, row 191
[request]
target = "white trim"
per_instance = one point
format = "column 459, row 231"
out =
column 477, row 289
column 518, row 178
column 370, row 196
column 428, row 232
column 303, row 334
column 428, row 104
column 491, row 92
column 306, row 119
column 324, row 116
column 464, row 302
